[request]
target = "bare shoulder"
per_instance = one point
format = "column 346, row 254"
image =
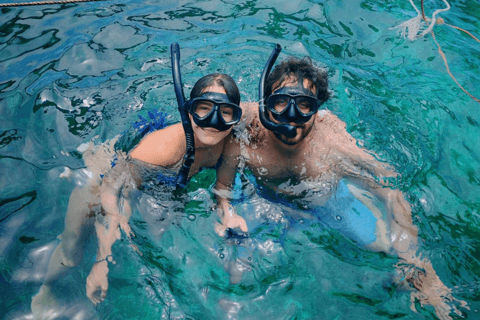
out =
column 346, row 144
column 163, row 147
column 249, row 111
column 335, row 129
column 231, row 149
column 255, row 130
column 330, row 119
column 337, row 137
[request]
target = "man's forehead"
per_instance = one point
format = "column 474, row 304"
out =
column 289, row 81
column 292, row 81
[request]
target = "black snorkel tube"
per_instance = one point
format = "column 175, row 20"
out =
column 189, row 157
column 285, row 129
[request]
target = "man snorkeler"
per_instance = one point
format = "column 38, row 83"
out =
column 305, row 157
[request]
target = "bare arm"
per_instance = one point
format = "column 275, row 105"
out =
column 225, row 178
column 115, row 198
column 364, row 170
column 412, row 268
column 163, row 147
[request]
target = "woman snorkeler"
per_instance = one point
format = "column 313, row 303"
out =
column 104, row 204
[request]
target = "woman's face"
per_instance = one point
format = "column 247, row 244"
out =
column 209, row 136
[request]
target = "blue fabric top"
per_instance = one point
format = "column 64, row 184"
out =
column 342, row 212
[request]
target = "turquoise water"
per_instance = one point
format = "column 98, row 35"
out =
column 69, row 73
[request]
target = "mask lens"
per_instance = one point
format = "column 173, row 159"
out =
column 227, row 112
column 214, row 110
column 202, row 108
column 306, row 105
column 278, row 103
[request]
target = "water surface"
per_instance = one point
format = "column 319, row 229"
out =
column 69, row 73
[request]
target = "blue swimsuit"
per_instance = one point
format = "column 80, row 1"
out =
column 342, row 212
column 346, row 214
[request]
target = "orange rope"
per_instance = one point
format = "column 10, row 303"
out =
column 471, row 35
column 443, row 54
column 448, row 69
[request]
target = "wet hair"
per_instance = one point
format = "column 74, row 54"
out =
column 297, row 70
column 219, row 79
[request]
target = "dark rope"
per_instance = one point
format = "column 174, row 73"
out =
column 40, row 3
column 423, row 12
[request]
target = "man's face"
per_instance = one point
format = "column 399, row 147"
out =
column 303, row 129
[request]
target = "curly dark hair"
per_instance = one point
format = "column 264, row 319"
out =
column 299, row 69
column 222, row 80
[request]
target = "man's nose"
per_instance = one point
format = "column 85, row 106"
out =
column 291, row 109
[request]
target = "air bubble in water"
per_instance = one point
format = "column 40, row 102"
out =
column 262, row 171
column 338, row 218
column 191, row 217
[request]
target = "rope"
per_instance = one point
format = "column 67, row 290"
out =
column 448, row 69
column 471, row 35
column 40, row 3
column 423, row 12
column 412, row 29
column 433, row 19
column 430, row 29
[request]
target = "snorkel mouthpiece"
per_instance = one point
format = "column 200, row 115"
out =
column 285, row 129
column 187, row 126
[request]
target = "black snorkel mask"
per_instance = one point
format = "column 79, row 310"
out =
column 189, row 157
column 288, row 104
column 214, row 110
column 293, row 104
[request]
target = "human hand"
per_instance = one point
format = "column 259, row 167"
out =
column 430, row 290
column 97, row 282
column 232, row 224
column 236, row 234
